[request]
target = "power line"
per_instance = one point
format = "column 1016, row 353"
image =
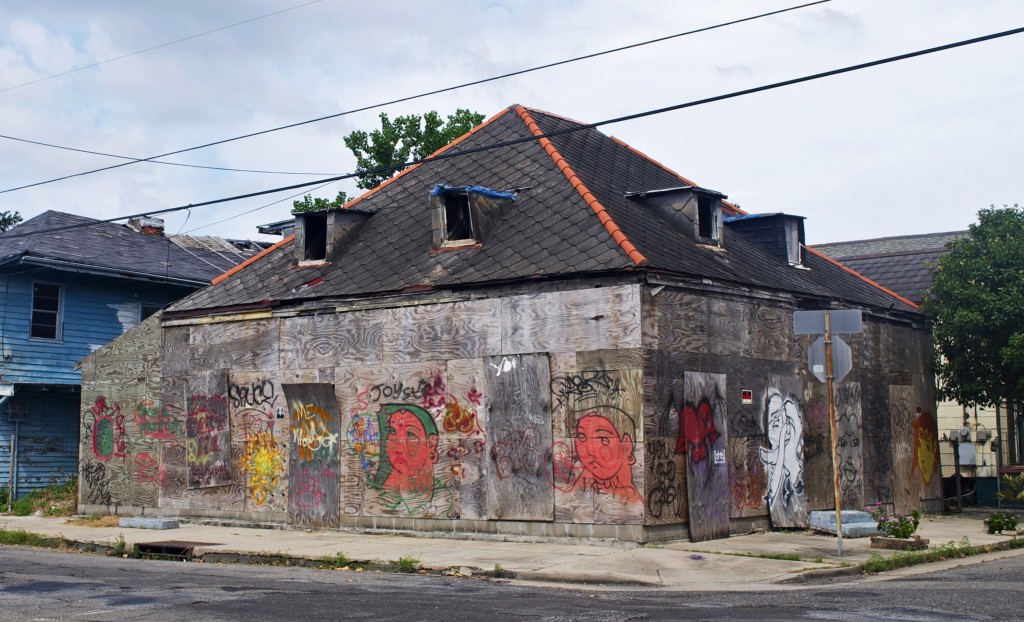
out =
column 422, row 95
column 588, row 126
column 151, row 161
column 156, row 47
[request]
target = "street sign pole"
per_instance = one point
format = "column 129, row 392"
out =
column 835, row 441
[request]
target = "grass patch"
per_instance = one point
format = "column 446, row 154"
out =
column 407, row 563
column 96, row 521
column 950, row 550
column 787, row 557
column 58, row 499
column 20, row 537
column 338, row 560
column 118, row 546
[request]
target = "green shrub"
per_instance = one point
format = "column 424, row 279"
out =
column 1012, row 488
column 23, row 507
column 338, row 560
column 1002, row 520
column 407, row 564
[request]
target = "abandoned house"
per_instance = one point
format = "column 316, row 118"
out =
column 554, row 336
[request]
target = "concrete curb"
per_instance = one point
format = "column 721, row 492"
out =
column 822, row 574
column 580, row 579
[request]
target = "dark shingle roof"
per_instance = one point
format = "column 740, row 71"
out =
column 900, row 263
column 572, row 217
column 114, row 248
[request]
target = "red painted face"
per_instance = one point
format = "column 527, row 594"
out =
column 599, row 447
column 408, row 449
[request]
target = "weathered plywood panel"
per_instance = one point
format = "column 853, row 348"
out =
column 926, row 439
column 906, row 495
column 397, row 463
column 598, row 459
column 177, row 354
column 849, row 435
column 314, row 493
column 251, row 345
column 783, row 452
column 464, row 425
column 682, row 320
column 332, row 339
column 590, row 319
column 703, row 436
column 771, row 333
column 819, row 490
column 257, row 409
column 747, row 478
column 461, row 330
column 208, row 430
column 519, row 419
column 728, row 327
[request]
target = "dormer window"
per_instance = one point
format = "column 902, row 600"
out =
column 314, row 243
column 462, row 216
column 707, row 223
column 458, row 218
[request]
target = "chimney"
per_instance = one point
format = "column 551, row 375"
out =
column 148, row 225
column 779, row 235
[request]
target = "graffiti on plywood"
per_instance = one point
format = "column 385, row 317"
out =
column 783, row 453
column 848, row 440
column 108, row 432
column 703, row 430
column 263, row 461
column 153, row 421
column 747, row 478
column 314, row 460
column 926, row 445
column 209, row 441
column 603, row 454
column 408, row 453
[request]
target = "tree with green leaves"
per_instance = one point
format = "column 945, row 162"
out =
column 310, row 204
column 407, row 138
column 8, row 220
column 976, row 311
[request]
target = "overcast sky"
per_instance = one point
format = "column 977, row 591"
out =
column 917, row 146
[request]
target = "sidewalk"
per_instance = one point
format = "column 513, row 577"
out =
column 712, row 565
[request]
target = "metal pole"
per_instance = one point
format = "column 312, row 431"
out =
column 999, row 452
column 10, row 475
column 835, row 440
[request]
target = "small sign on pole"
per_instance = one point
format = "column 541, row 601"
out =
column 830, row 359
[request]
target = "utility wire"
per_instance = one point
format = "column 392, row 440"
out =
column 422, row 95
column 151, row 161
column 156, row 47
column 588, row 126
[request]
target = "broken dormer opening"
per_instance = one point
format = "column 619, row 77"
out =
column 314, row 243
column 780, row 235
column 458, row 218
column 464, row 215
column 707, row 223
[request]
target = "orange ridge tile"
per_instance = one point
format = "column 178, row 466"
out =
column 863, row 278
column 602, row 214
column 248, row 261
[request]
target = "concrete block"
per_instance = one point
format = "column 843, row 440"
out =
column 149, row 523
column 856, row 524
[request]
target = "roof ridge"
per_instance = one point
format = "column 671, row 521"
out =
column 602, row 214
column 266, row 251
column 884, row 254
column 864, row 278
column 908, row 236
column 643, row 155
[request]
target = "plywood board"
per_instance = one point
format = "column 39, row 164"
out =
column 606, row 318
column 251, row 345
column 519, row 419
column 849, row 434
column 783, row 452
column 703, row 437
column 906, row 489
column 461, row 330
column 259, row 426
column 328, row 340
column 464, row 425
column 314, row 493
column 819, row 489
column 208, row 430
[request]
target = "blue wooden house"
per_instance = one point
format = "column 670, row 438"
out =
column 69, row 285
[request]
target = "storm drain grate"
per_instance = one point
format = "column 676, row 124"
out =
column 170, row 549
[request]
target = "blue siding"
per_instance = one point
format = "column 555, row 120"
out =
column 95, row 311
column 47, row 440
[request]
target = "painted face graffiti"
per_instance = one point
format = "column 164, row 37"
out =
column 784, row 455
column 409, row 444
column 605, row 456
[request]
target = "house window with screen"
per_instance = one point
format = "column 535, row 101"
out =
column 458, row 221
column 46, row 311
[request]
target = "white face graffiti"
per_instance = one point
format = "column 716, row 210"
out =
column 784, row 454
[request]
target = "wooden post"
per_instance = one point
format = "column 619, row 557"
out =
column 835, row 441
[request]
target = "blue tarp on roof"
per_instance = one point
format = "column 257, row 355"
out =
column 487, row 192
